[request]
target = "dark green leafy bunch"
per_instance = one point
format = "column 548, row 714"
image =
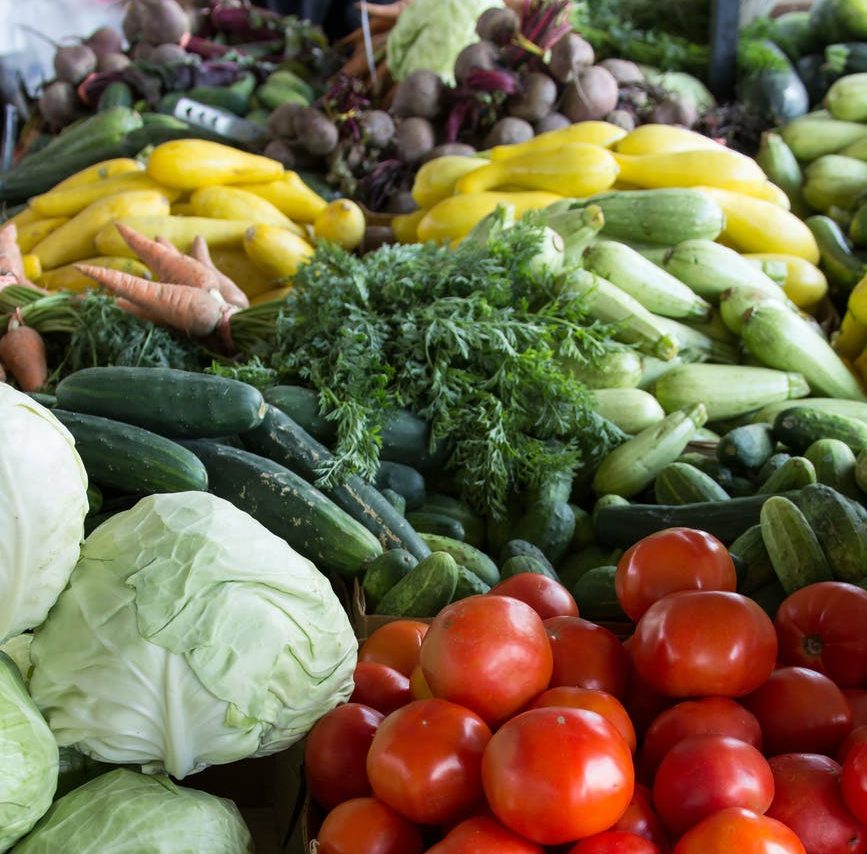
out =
column 468, row 338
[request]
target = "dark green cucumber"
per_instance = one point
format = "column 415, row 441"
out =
column 473, row 559
column 557, row 487
column 799, row 427
column 289, row 507
column 794, row 550
column 770, row 597
column 474, row 525
column 607, row 501
column 425, row 590
column 576, row 565
column 834, row 462
column 279, row 438
column 436, row 523
column 302, row 406
column 513, row 548
column 550, row 526
column 383, row 572
column 468, row 584
column 795, row 473
column 840, row 530
column 174, row 403
column 747, row 447
column 752, row 561
column 843, row 268
column 741, row 487
column 116, row 94
column 711, row 466
column 861, row 471
column 404, row 480
column 47, row 400
column 499, row 530
column 94, row 499
column 774, row 462
column 726, row 520
column 130, row 458
column 583, row 535
column 595, row 595
column 520, row 564
column 395, row 500
column 681, row 483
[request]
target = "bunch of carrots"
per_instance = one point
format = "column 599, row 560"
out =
column 190, row 296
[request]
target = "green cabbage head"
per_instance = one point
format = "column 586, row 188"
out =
column 124, row 812
column 28, row 758
column 190, row 635
column 43, row 502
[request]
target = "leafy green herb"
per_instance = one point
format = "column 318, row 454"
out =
column 469, row 338
column 253, row 373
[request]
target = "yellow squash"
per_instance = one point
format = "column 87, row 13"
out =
column 342, row 221
column 232, row 203
column 857, row 305
column 711, row 167
column 656, row 139
column 290, row 195
column 277, row 252
column 454, row 218
column 70, row 200
column 273, row 295
column 178, row 230
column 101, row 171
column 67, row 278
column 604, row 134
column 851, row 339
column 191, row 163
column 436, row 179
column 182, row 209
column 32, row 268
column 805, row 283
column 405, row 226
column 24, row 217
column 240, row 269
column 756, row 226
column 75, row 240
column 577, row 169
column 32, row 233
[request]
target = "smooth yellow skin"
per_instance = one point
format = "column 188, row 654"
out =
column 178, row 230
column 22, row 218
column 805, row 283
column 191, row 163
column 851, row 338
column 274, row 295
column 235, row 264
column 32, row 268
column 31, row 234
column 232, row 203
column 101, row 171
column 342, row 221
column 290, row 195
column 405, row 226
column 436, row 179
column 76, row 239
column 72, row 200
column 655, row 139
column 603, row 134
column 67, row 278
column 276, row 252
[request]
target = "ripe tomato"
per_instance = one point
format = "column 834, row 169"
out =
column 380, row 687
column 426, row 761
column 481, row 835
column 857, row 736
column 396, row 644
column 800, row 711
column 366, row 826
column 808, row 799
column 643, row 703
column 614, row 842
column 857, row 700
column 547, row 597
column 706, row 773
column 641, row 819
column 822, row 627
column 555, row 775
column 854, row 782
column 710, row 716
column 488, row 653
column 607, row 705
column 704, row 643
column 335, row 756
column 418, row 685
column 668, row 561
column 739, row 831
column 586, row 655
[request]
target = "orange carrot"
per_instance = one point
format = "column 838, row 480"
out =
column 136, row 311
column 168, row 245
column 390, row 11
column 10, row 254
column 187, row 309
column 22, row 350
column 230, row 292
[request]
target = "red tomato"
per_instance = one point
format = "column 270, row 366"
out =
column 547, row 597
column 739, row 831
column 857, row 736
column 426, row 761
column 366, row 826
column 808, row 800
column 822, row 627
column 800, row 711
column 483, row 835
column 643, row 703
column 706, row 773
column 335, row 756
column 854, row 781
column 857, row 700
column 418, row 685
column 396, row 644
column 587, row 655
column 704, row 643
column 555, row 775
column 488, row 653
column 380, row 687
column 614, row 842
column 641, row 819
column 711, row 716
column 607, row 705
column 668, row 561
